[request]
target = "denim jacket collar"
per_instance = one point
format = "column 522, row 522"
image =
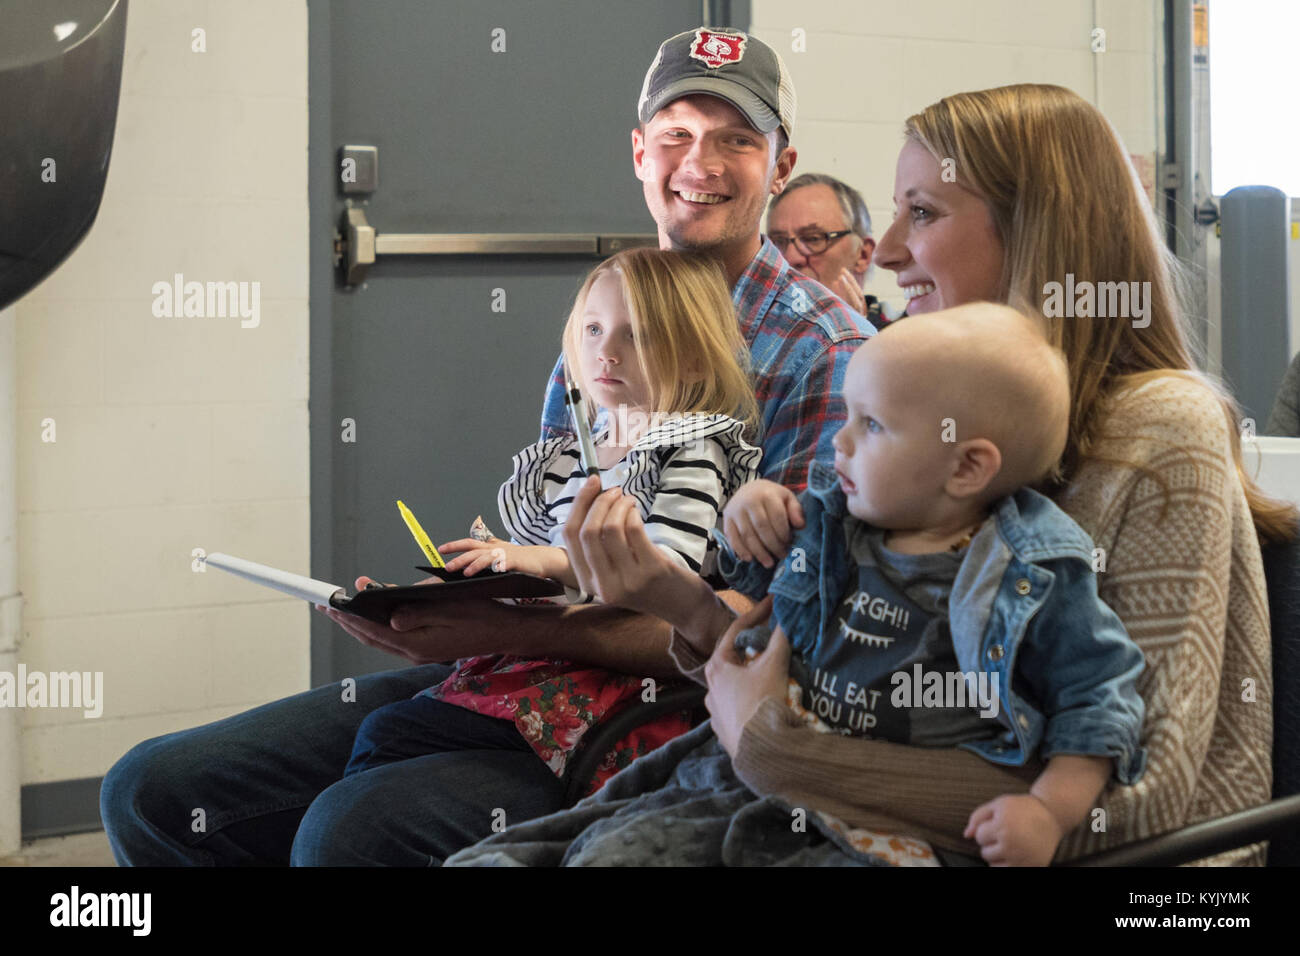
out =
column 824, row 483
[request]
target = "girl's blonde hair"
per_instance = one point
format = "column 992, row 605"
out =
column 688, row 340
column 1065, row 198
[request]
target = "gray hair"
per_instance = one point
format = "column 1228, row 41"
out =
column 851, row 202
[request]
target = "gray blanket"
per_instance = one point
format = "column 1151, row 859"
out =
column 681, row 805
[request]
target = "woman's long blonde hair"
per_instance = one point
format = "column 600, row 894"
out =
column 1065, row 198
column 688, row 339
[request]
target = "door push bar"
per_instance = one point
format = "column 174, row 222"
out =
column 356, row 244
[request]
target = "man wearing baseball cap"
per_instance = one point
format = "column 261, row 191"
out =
column 742, row 87
column 716, row 114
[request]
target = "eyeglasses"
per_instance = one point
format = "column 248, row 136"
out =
column 809, row 243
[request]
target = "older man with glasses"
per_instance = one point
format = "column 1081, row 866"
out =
column 823, row 229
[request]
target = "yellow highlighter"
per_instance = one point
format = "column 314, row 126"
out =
column 421, row 538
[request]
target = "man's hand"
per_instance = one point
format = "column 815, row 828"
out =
column 737, row 686
column 1015, row 831
column 424, row 633
column 758, row 521
column 847, row 288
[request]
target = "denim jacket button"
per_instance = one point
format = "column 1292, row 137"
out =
column 1024, row 722
column 995, row 652
column 1023, row 587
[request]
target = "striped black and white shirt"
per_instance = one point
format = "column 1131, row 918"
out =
column 681, row 472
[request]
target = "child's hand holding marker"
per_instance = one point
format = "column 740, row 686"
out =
column 758, row 521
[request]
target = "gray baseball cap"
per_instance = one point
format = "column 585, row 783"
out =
column 734, row 66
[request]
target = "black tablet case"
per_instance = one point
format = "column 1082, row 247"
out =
column 377, row 604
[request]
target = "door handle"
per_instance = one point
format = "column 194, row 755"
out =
column 357, row 244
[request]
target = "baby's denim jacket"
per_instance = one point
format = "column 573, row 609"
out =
column 1024, row 607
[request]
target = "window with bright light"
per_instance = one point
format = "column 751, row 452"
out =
column 1255, row 95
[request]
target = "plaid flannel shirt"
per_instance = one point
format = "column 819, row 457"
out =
column 800, row 339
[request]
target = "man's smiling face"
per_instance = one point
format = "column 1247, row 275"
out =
column 706, row 172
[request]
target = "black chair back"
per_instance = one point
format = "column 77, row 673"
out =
column 1282, row 570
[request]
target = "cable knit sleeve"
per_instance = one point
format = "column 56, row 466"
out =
column 1183, row 573
column 908, row 791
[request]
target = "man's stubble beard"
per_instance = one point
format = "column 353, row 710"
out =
column 701, row 246
column 729, row 235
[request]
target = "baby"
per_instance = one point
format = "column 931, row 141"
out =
column 932, row 599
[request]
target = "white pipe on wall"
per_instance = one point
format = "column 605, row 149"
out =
column 11, row 720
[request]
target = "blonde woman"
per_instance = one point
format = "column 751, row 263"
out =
column 1000, row 194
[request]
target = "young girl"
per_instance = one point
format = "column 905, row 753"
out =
column 653, row 343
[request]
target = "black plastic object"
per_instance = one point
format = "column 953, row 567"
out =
column 1207, row 838
column 60, row 76
column 1282, row 570
column 600, row 739
column 378, row 604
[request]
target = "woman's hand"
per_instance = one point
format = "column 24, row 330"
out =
column 613, row 558
column 737, row 686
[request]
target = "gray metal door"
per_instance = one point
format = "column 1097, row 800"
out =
column 489, row 117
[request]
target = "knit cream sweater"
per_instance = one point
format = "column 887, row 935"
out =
column 1183, row 573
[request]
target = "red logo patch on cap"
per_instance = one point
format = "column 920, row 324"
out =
column 715, row 49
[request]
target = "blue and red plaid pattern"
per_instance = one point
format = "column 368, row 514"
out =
column 800, row 338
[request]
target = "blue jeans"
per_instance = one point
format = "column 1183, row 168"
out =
column 268, row 786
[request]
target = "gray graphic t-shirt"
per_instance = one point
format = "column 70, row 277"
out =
column 892, row 617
